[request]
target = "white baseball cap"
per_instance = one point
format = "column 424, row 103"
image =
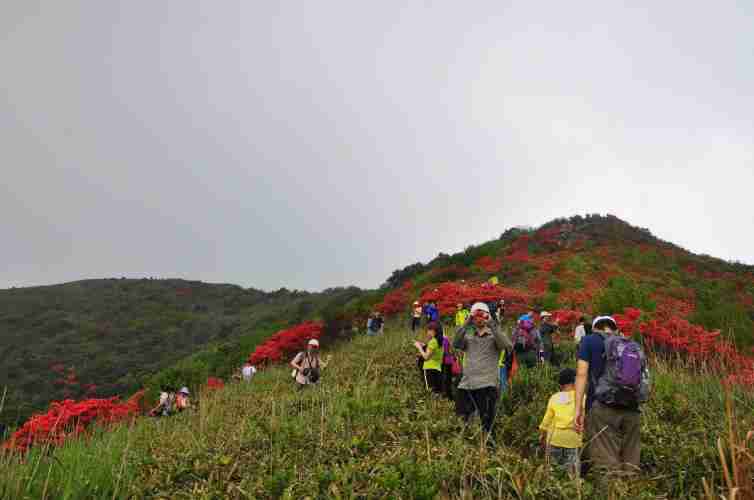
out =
column 545, row 314
column 600, row 319
column 184, row 390
column 314, row 343
column 480, row 306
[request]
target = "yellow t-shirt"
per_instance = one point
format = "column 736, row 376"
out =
column 435, row 359
column 558, row 421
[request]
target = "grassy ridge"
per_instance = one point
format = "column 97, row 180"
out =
column 370, row 430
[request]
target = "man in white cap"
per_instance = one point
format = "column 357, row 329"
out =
column 612, row 373
column 481, row 341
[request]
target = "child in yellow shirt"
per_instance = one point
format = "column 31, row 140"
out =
column 558, row 436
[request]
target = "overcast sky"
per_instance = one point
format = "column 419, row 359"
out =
column 315, row 144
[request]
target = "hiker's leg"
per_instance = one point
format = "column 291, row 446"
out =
column 434, row 378
column 603, row 437
column 487, row 403
column 631, row 449
column 464, row 404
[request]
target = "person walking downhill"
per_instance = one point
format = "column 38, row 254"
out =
column 416, row 317
column 613, row 374
column 432, row 354
column 307, row 365
column 546, row 329
column 482, row 341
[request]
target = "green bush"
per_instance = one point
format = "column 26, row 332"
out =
column 620, row 293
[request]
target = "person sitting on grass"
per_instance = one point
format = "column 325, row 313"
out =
column 432, row 355
column 561, row 443
column 182, row 401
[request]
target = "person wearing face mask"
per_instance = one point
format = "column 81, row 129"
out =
column 482, row 342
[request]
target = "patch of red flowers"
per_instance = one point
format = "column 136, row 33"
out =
column 396, row 301
column 489, row 264
column 286, row 342
column 215, row 383
column 68, row 419
column 448, row 295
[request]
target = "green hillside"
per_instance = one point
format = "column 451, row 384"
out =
column 101, row 338
column 370, row 430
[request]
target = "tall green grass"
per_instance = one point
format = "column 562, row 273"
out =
column 370, row 430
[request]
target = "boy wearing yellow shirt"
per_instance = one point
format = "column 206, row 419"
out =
column 557, row 432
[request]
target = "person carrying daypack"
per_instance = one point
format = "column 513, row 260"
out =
column 416, row 317
column 613, row 374
column 307, row 365
column 546, row 329
column 526, row 343
column 182, row 401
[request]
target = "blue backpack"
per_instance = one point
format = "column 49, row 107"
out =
column 625, row 380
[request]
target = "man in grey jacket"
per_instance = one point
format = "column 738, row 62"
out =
column 481, row 341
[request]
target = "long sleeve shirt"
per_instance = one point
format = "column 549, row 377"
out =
column 481, row 349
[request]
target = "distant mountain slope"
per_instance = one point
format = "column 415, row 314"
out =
column 103, row 337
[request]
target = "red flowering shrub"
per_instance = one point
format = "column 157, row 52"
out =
column 566, row 318
column 215, row 383
column 448, row 295
column 396, row 301
column 489, row 264
column 286, row 342
column 68, row 419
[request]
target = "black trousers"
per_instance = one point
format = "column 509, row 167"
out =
column 434, row 380
column 415, row 323
column 483, row 400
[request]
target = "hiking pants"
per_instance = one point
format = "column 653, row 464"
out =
column 613, row 435
column 415, row 323
column 434, row 380
column 483, row 400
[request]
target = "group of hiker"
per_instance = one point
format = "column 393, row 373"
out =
column 598, row 402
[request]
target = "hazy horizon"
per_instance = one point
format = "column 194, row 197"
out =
column 310, row 146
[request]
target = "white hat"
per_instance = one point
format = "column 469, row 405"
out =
column 480, row 306
column 599, row 319
column 313, row 343
column 184, row 390
column 544, row 314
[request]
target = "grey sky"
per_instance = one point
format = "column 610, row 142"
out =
column 314, row 144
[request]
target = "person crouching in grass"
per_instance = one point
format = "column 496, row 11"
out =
column 559, row 439
column 432, row 353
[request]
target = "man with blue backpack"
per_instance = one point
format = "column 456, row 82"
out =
column 612, row 373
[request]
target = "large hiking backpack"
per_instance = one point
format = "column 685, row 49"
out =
column 625, row 379
column 524, row 340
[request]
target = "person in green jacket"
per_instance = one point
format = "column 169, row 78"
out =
column 432, row 354
column 462, row 314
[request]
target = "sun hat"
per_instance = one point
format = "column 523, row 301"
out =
column 314, row 343
column 184, row 390
column 480, row 306
column 601, row 319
